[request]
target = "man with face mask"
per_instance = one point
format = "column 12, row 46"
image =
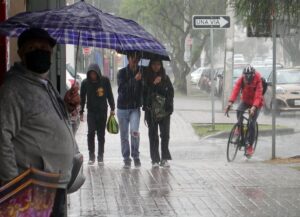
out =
column 34, row 126
column 250, row 86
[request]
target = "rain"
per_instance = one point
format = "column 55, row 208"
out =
column 227, row 142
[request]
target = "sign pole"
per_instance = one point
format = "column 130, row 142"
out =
column 212, row 88
column 211, row 22
column 274, row 102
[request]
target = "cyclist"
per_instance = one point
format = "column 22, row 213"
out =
column 250, row 86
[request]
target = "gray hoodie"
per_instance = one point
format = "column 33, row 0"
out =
column 34, row 127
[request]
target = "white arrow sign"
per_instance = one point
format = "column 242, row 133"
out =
column 210, row 22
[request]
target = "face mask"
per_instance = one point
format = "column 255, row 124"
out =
column 38, row 61
column 248, row 77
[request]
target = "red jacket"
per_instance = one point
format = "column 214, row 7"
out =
column 251, row 93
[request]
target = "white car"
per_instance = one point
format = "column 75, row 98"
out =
column 70, row 75
column 195, row 75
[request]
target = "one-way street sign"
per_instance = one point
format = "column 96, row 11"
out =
column 211, row 22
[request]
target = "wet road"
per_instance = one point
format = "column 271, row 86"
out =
column 199, row 183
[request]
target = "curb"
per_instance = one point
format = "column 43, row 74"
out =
column 224, row 134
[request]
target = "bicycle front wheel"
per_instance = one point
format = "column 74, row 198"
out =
column 256, row 136
column 233, row 143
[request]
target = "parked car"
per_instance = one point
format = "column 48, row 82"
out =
column 219, row 76
column 70, row 75
column 287, row 91
column 205, row 79
column 195, row 75
column 257, row 61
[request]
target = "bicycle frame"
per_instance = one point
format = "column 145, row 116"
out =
column 239, row 140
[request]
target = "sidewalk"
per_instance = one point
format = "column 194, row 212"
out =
column 199, row 183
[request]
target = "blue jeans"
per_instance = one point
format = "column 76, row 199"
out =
column 129, row 118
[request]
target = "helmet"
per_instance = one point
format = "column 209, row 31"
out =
column 248, row 73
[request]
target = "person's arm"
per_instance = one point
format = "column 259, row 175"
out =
column 236, row 90
column 110, row 96
column 83, row 91
column 170, row 96
column 10, row 124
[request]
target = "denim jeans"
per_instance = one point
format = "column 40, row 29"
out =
column 129, row 119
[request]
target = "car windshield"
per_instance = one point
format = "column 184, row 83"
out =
column 237, row 72
column 264, row 71
column 288, row 77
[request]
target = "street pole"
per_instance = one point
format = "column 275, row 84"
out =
column 274, row 81
column 212, row 88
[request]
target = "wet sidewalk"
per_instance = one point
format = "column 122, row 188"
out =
column 199, row 183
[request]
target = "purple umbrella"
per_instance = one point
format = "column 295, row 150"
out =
column 82, row 24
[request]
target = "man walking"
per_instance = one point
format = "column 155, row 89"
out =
column 129, row 103
column 96, row 90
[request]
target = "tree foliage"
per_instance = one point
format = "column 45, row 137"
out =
column 287, row 16
column 171, row 22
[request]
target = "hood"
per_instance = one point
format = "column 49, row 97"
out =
column 93, row 67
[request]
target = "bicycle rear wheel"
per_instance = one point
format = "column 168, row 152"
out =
column 233, row 143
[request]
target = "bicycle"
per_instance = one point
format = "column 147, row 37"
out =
column 238, row 137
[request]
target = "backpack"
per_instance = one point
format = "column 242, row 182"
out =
column 264, row 85
column 158, row 111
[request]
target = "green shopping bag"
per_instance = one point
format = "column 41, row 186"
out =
column 112, row 125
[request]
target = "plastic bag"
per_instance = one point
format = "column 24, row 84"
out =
column 112, row 125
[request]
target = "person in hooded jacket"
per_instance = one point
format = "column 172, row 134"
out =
column 35, row 131
column 96, row 90
column 158, row 83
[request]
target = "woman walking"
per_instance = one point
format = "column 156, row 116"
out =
column 158, row 106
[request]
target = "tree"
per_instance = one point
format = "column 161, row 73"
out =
column 261, row 13
column 171, row 22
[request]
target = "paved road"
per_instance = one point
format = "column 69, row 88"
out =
column 199, row 183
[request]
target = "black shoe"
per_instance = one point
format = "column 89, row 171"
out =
column 137, row 163
column 100, row 160
column 127, row 164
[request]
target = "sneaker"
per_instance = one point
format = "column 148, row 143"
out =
column 249, row 150
column 155, row 165
column 137, row 163
column 91, row 162
column 164, row 163
column 91, row 159
column 127, row 164
column 100, row 160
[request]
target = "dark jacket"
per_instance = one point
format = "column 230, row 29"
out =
column 129, row 89
column 97, row 92
column 164, row 88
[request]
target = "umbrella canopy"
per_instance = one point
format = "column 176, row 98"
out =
column 82, row 24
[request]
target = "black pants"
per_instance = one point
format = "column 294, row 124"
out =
column 164, row 127
column 60, row 204
column 243, row 107
column 96, row 123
